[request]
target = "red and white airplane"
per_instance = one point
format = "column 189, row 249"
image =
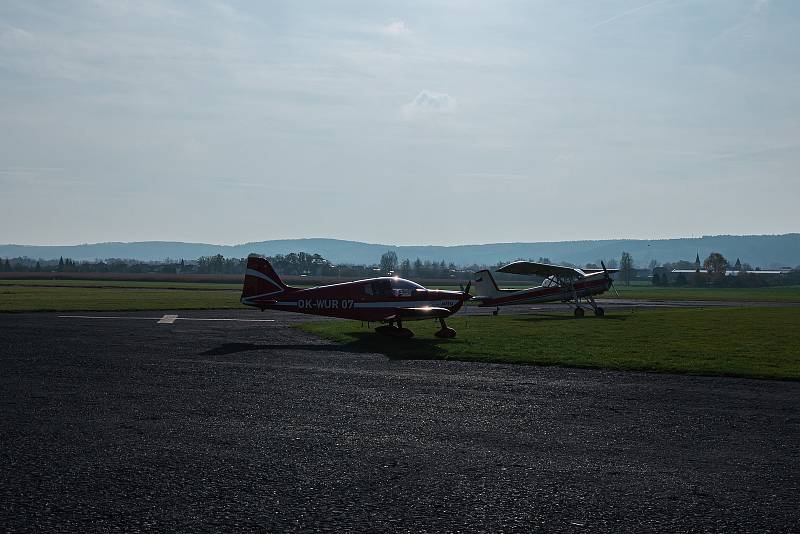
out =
column 564, row 284
column 381, row 300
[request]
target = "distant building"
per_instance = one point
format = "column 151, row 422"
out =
column 689, row 274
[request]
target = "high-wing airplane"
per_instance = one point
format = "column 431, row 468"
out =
column 382, row 300
column 564, row 284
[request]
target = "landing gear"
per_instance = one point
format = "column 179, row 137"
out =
column 398, row 331
column 580, row 312
column 598, row 311
column 496, row 311
column 394, row 331
column 445, row 332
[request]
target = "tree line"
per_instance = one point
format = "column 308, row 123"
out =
column 308, row 264
column 295, row 263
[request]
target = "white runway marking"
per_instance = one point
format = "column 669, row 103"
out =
column 106, row 317
column 225, row 319
column 166, row 319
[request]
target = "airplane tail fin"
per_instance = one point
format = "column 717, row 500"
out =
column 261, row 280
column 485, row 285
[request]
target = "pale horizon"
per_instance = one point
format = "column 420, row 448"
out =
column 409, row 244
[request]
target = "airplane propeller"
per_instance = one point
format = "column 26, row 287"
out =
column 610, row 280
column 465, row 290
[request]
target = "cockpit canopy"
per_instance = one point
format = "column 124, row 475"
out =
column 391, row 287
column 553, row 280
column 550, row 281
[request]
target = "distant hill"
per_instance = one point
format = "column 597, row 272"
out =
column 758, row 250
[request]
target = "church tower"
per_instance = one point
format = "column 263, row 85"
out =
column 697, row 263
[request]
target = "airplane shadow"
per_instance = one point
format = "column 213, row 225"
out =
column 393, row 348
column 397, row 348
column 235, row 348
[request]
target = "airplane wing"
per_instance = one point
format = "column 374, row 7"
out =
column 544, row 270
column 426, row 312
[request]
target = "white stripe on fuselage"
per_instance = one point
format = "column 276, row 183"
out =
column 386, row 304
column 407, row 304
column 526, row 296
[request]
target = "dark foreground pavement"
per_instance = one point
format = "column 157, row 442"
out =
column 128, row 424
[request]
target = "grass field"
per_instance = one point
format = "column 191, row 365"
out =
column 97, row 295
column 754, row 294
column 646, row 291
column 121, row 284
column 751, row 342
column 638, row 290
column 37, row 298
column 746, row 342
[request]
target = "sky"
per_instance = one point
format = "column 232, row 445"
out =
column 402, row 122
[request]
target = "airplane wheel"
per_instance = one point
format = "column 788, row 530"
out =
column 446, row 333
column 385, row 330
column 404, row 332
column 495, row 312
column 599, row 312
column 579, row 312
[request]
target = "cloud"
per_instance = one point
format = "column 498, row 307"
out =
column 626, row 13
column 754, row 153
column 429, row 103
column 24, row 178
column 140, row 8
column 12, row 36
column 756, row 8
column 395, row 28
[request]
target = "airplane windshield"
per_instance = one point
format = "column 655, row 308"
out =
column 550, row 281
column 404, row 288
column 387, row 287
column 402, row 283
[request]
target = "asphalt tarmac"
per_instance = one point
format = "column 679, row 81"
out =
column 121, row 422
